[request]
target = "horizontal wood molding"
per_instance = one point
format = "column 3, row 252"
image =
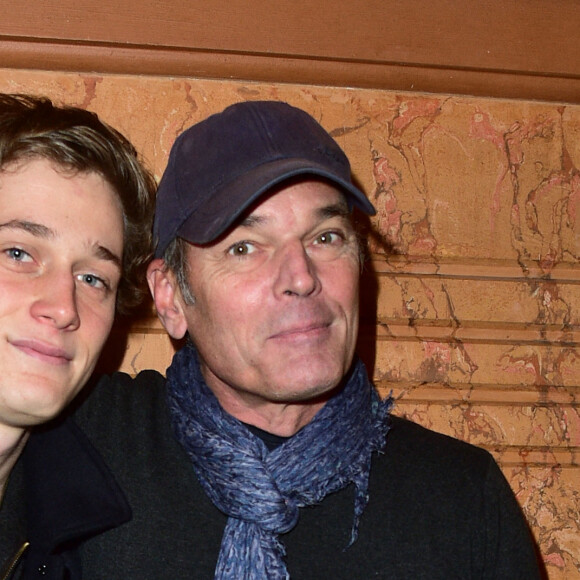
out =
column 484, row 394
column 473, row 333
column 494, row 48
column 476, row 269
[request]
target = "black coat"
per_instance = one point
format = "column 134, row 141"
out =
column 60, row 494
column 438, row 507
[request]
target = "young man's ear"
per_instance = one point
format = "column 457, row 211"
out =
column 167, row 298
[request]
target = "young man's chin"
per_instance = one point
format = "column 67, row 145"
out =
column 36, row 405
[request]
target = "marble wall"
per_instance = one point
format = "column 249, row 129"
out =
column 471, row 301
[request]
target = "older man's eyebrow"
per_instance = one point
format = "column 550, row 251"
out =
column 33, row 228
column 334, row 210
column 252, row 220
column 339, row 209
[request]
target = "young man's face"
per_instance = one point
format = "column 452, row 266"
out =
column 61, row 243
column 276, row 311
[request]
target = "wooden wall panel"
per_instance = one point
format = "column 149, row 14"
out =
column 503, row 48
column 471, row 295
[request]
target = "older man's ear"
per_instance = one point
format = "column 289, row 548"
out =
column 167, row 298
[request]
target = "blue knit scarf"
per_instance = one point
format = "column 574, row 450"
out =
column 259, row 490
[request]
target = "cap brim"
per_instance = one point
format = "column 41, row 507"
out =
column 232, row 200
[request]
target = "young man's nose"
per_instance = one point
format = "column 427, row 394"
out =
column 56, row 301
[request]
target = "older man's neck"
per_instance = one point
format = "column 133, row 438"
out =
column 283, row 419
column 12, row 442
column 284, row 422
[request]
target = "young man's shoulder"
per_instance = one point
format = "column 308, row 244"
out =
column 121, row 404
column 124, row 390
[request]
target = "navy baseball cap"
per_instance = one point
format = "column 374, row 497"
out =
column 218, row 168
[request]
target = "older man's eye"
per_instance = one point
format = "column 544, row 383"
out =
column 327, row 238
column 241, row 249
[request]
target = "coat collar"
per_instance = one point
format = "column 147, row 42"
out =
column 70, row 492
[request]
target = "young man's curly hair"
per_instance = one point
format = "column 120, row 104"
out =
column 76, row 140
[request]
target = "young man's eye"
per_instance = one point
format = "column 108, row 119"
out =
column 18, row 255
column 241, row 249
column 93, row 281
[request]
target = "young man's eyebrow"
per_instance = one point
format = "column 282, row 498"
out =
column 33, row 228
column 106, row 254
column 42, row 231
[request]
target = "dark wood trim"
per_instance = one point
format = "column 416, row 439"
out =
column 496, row 48
column 100, row 59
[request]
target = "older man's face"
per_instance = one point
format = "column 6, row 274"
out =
column 276, row 301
